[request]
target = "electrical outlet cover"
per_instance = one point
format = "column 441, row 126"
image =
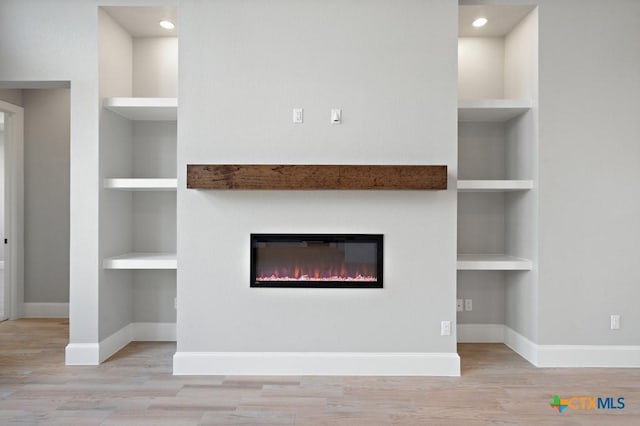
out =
column 445, row 328
column 468, row 304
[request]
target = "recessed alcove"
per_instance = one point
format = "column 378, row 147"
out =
column 497, row 168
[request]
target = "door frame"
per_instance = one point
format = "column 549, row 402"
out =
column 14, row 210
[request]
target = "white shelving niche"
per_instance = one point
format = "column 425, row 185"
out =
column 497, row 161
column 138, row 144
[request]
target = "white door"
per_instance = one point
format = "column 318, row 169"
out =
column 12, row 252
column 2, row 298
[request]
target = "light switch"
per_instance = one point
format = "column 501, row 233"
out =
column 336, row 116
column 298, row 115
column 615, row 322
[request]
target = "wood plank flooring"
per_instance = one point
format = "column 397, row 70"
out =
column 136, row 387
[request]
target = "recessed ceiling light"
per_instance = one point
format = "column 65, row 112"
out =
column 480, row 22
column 167, row 25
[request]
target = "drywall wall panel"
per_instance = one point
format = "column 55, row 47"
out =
column 244, row 66
column 589, row 170
column 35, row 47
column 481, row 68
column 46, row 195
column 154, row 294
column 487, row 292
column 116, row 160
column 13, row 96
column 155, row 67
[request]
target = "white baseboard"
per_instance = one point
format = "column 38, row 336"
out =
column 115, row 342
column 609, row 356
column 551, row 355
column 82, row 354
column 153, row 331
column 316, row 363
column 521, row 345
column 480, row 333
column 96, row 353
column 617, row 356
column 45, row 310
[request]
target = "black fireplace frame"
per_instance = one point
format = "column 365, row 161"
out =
column 369, row 238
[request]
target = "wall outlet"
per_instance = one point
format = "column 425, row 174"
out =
column 615, row 322
column 468, row 304
column 445, row 328
column 459, row 305
column 298, row 116
column 175, row 303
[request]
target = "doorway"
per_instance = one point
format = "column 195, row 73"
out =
column 36, row 170
column 11, row 210
column 2, row 297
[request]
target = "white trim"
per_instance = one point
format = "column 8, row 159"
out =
column 81, row 354
column 317, row 363
column 611, row 356
column 14, row 210
column 491, row 262
column 115, row 342
column 616, row 356
column 141, row 261
column 494, row 185
column 45, row 310
column 480, row 333
column 164, row 109
column 521, row 345
column 96, row 353
column 153, row 331
column 492, row 110
column 141, row 184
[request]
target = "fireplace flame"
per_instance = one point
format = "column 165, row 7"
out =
column 330, row 273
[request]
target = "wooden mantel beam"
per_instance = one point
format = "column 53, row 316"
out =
column 315, row 177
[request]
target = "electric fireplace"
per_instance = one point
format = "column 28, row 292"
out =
column 316, row 260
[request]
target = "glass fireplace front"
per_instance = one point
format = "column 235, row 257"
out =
column 316, row 260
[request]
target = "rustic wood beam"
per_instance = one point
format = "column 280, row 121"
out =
column 309, row 177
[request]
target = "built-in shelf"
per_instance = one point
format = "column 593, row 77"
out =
column 492, row 262
column 144, row 109
column 494, row 185
column 492, row 110
column 142, row 184
column 141, row 261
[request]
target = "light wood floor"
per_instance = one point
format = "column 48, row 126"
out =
column 136, row 387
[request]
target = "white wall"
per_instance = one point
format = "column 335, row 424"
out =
column 244, row 65
column 588, row 156
column 155, row 68
column 521, row 151
column 116, row 160
column 35, row 47
column 140, row 221
column 481, row 68
column 46, row 195
column 589, row 171
column 13, row 96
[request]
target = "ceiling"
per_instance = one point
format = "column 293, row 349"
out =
column 502, row 19
column 143, row 21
